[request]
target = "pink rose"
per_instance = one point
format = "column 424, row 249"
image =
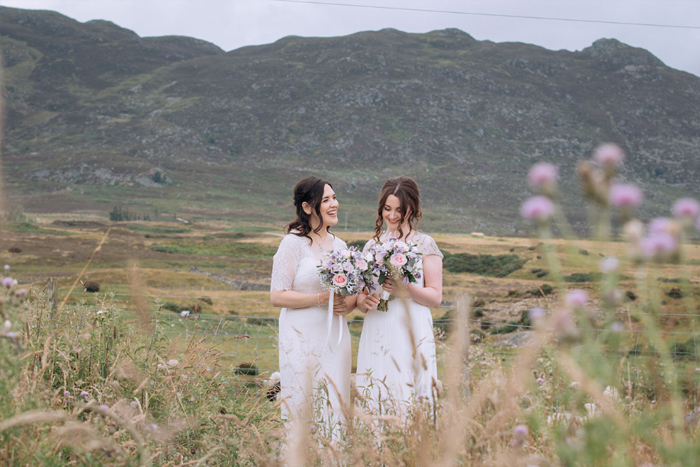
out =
column 348, row 267
column 340, row 280
column 398, row 260
column 361, row 264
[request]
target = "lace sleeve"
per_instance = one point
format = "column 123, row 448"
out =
column 285, row 263
column 427, row 246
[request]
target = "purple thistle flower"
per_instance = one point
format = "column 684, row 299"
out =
column 659, row 225
column 564, row 325
column 11, row 335
column 540, row 380
column 519, row 435
column 576, row 298
column 134, row 404
column 537, row 208
column 625, row 196
column 22, row 293
column 104, row 407
column 617, row 327
column 7, row 268
column 609, row 264
column 609, row 155
column 686, row 208
column 66, row 393
column 7, row 282
column 659, row 245
column 536, row 314
column 543, row 175
column 84, row 394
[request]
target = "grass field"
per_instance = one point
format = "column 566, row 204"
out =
column 165, row 389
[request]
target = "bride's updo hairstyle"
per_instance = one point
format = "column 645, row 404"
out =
column 406, row 190
column 310, row 191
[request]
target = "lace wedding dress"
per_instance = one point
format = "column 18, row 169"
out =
column 389, row 374
column 314, row 380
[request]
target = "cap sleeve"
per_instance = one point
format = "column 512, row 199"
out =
column 426, row 245
column 285, row 263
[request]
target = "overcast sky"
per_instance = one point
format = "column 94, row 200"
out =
column 231, row 24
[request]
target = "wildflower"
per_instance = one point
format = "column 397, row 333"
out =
column 519, row 435
column 609, row 264
column 153, row 426
column 104, row 407
column 625, row 196
column 659, row 246
column 84, row 394
column 22, row 293
column 595, row 187
column 576, row 298
column 613, row 296
column 660, row 225
column 686, row 208
column 634, row 232
column 7, row 326
column 543, row 177
column 537, row 208
column 11, row 335
column 66, row 393
column 7, row 268
column 617, row 327
column 173, row 362
column 540, row 380
column 184, row 313
column 609, row 155
column 7, row 282
column 312, row 429
column 564, row 325
column 134, row 404
column 100, row 312
column 536, row 314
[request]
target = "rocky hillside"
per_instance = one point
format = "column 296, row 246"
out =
column 97, row 116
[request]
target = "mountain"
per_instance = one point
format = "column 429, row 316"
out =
column 97, row 116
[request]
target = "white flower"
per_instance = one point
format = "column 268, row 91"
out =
column 184, row 313
column 7, row 326
column 100, row 312
column 173, row 362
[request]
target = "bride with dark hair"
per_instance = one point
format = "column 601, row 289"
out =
column 396, row 361
column 307, row 367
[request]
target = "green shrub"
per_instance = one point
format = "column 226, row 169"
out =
column 170, row 306
column 544, row 289
column 582, row 277
column 246, row 368
column 483, row 265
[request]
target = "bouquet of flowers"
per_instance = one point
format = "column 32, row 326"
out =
column 395, row 259
column 342, row 272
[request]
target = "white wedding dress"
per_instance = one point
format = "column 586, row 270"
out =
column 314, row 380
column 389, row 375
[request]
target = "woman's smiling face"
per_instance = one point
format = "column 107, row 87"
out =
column 329, row 207
column 392, row 213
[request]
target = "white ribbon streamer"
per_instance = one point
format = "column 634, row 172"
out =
column 341, row 321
